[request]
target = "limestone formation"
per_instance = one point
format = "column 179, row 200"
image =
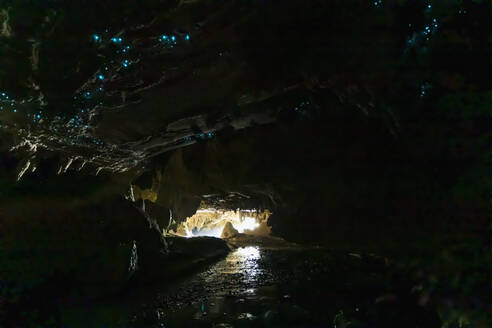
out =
column 228, row 231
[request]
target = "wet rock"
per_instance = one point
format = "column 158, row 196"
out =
column 223, row 325
column 246, row 316
column 149, row 318
column 271, row 316
column 198, row 315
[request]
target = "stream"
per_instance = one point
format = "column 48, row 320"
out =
column 256, row 287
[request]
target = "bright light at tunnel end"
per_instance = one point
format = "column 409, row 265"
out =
column 211, row 222
column 249, row 223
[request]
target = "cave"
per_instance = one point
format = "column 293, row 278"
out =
column 263, row 163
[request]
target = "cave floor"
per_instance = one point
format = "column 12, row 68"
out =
column 257, row 287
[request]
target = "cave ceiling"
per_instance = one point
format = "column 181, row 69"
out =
column 229, row 98
column 115, row 91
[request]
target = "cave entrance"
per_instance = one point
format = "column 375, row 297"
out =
column 222, row 223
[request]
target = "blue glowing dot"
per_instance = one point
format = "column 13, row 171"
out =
column 187, row 37
column 429, row 6
column 38, row 116
column 100, row 77
column 96, row 37
column 173, row 38
column 15, row 110
column 3, row 94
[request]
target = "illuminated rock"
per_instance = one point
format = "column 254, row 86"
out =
column 228, row 231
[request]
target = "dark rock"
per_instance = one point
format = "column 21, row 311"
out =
column 161, row 215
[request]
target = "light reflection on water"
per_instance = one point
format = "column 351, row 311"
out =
column 241, row 270
column 250, row 253
column 244, row 260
